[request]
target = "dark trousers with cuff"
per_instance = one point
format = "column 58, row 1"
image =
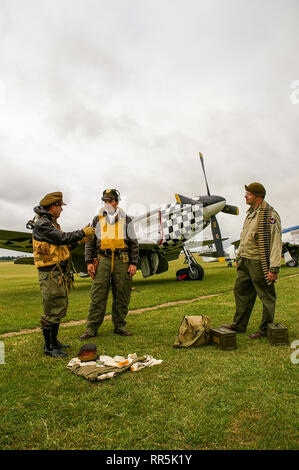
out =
column 249, row 284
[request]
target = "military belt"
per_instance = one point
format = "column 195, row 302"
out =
column 108, row 252
column 53, row 267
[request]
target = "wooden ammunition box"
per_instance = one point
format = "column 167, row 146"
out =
column 223, row 338
column 277, row 334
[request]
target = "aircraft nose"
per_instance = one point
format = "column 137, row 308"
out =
column 214, row 204
column 216, row 200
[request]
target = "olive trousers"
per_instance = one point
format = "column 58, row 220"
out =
column 121, row 284
column 249, row 284
column 55, row 295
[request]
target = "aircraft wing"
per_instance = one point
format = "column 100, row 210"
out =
column 208, row 254
column 16, row 241
column 147, row 245
column 196, row 243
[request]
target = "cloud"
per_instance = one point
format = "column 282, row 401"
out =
column 125, row 94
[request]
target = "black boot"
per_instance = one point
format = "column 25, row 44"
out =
column 48, row 349
column 55, row 343
column 47, row 338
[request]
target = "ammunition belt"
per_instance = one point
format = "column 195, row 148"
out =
column 264, row 238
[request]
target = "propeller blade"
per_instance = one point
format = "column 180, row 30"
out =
column 217, row 239
column 233, row 210
column 204, row 172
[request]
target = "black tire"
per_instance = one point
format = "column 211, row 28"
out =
column 293, row 263
column 195, row 273
column 182, row 274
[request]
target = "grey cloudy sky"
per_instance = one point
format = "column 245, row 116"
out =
column 125, row 93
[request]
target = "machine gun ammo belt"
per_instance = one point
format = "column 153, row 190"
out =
column 264, row 238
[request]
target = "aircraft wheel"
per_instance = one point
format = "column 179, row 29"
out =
column 293, row 263
column 182, row 274
column 195, row 273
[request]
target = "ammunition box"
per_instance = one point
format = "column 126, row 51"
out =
column 223, row 338
column 277, row 334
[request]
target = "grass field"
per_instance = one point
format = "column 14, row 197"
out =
column 198, row 398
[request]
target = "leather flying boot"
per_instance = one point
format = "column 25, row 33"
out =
column 55, row 343
column 47, row 337
column 48, row 349
column 55, row 353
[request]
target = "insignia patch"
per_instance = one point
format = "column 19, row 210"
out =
column 272, row 220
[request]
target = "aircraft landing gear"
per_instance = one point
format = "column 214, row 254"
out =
column 290, row 256
column 194, row 272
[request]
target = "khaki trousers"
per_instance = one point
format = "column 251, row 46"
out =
column 249, row 284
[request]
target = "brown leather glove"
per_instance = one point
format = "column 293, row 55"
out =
column 83, row 240
column 89, row 231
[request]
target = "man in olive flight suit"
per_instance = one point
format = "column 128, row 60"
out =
column 258, row 261
column 51, row 251
column 111, row 256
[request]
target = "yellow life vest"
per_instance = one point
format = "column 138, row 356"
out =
column 46, row 254
column 112, row 235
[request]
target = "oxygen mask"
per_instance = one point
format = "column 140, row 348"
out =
column 109, row 208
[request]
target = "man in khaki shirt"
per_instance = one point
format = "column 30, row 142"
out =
column 258, row 261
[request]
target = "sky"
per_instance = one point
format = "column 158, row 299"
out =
column 124, row 94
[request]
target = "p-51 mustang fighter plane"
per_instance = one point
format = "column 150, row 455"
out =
column 161, row 233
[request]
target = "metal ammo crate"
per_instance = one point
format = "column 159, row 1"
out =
column 277, row 334
column 223, row 338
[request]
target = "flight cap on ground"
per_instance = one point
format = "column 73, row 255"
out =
column 52, row 198
column 256, row 188
column 111, row 194
column 88, row 352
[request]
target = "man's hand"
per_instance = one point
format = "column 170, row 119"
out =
column 89, row 231
column 132, row 270
column 272, row 277
column 91, row 270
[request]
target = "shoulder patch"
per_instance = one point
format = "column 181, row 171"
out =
column 272, row 220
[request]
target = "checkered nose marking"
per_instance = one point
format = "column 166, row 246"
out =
column 180, row 222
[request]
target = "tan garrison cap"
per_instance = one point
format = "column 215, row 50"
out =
column 256, row 188
column 52, row 198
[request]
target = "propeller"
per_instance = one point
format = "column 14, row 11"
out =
column 204, row 172
column 214, row 224
column 206, row 201
column 228, row 209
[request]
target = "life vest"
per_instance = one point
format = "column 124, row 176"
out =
column 46, row 254
column 112, row 235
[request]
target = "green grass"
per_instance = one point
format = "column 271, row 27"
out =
column 198, row 398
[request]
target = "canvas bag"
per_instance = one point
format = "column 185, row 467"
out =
column 193, row 331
